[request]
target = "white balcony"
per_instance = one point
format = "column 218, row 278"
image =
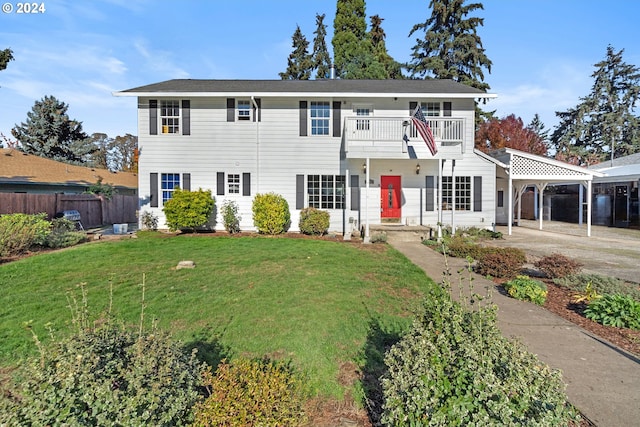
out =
column 382, row 138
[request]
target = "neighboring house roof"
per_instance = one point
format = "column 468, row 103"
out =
column 17, row 167
column 625, row 168
column 177, row 87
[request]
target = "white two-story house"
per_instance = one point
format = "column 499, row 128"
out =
column 345, row 146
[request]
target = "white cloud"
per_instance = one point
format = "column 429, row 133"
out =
column 159, row 62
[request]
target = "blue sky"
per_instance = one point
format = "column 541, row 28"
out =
column 542, row 51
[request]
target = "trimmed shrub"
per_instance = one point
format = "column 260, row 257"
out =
column 188, row 210
column 271, row 213
column 557, row 265
column 106, row 376
column 454, row 367
column 63, row 234
column 314, row 221
column 620, row 311
column 378, row 237
column 19, row 232
column 501, row 262
column 525, row 288
column 459, row 247
column 148, row 220
column 230, row 217
column 251, row 393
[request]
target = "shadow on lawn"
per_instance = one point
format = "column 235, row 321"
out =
column 210, row 350
column 380, row 338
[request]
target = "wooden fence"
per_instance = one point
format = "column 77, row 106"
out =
column 95, row 211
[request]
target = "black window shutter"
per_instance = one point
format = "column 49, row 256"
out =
column 259, row 112
column 186, row 117
column 355, row 192
column 477, row 193
column 231, row 109
column 299, row 191
column 336, row 118
column 153, row 117
column 412, row 107
column 303, row 119
column 186, row 181
column 153, row 189
column 447, row 109
column 220, row 184
column 246, row 184
column 430, row 186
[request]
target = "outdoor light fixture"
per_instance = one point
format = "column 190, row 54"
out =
column 364, row 167
column 418, row 169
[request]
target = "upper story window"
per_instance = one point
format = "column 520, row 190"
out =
column 244, row 110
column 170, row 116
column 363, row 124
column 431, row 109
column 320, row 113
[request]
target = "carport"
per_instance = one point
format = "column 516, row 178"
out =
column 522, row 170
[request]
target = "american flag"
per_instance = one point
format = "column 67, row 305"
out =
column 423, row 128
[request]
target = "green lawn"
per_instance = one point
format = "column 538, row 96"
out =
column 309, row 301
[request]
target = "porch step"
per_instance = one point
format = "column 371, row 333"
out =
column 403, row 233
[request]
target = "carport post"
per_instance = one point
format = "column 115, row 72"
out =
column 510, row 221
column 589, row 208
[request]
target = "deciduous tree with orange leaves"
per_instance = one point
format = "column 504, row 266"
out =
column 509, row 132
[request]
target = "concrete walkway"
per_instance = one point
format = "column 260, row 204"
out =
column 602, row 380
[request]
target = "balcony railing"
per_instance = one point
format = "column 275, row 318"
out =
column 383, row 137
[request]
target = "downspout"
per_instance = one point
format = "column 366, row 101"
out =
column 255, row 105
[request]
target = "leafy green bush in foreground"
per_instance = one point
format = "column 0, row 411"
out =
column 455, row 368
column 251, row 393
column 107, row 375
column 188, row 209
column 271, row 213
column 18, row 232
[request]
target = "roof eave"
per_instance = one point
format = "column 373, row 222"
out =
column 307, row 94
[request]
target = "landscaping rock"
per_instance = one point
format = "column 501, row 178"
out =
column 185, row 264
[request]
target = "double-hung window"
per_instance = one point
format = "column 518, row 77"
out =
column 169, row 182
column 320, row 115
column 326, row 191
column 170, row 116
column 461, row 191
column 431, row 109
column 244, row 110
column 233, row 180
column 363, row 124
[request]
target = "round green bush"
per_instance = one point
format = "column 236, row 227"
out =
column 525, row 288
column 454, row 367
column 314, row 221
column 271, row 213
column 107, row 376
column 188, row 210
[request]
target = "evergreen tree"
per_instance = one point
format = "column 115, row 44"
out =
column 603, row 125
column 6, row 56
column 451, row 47
column 538, row 127
column 349, row 30
column 320, row 55
column 299, row 64
column 377, row 36
column 48, row 132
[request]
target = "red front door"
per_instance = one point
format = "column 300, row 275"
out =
column 390, row 197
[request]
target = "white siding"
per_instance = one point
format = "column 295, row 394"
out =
column 273, row 153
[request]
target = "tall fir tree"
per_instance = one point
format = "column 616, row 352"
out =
column 320, row 56
column 377, row 36
column 538, row 127
column 603, row 126
column 299, row 64
column 349, row 30
column 451, row 47
column 49, row 132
